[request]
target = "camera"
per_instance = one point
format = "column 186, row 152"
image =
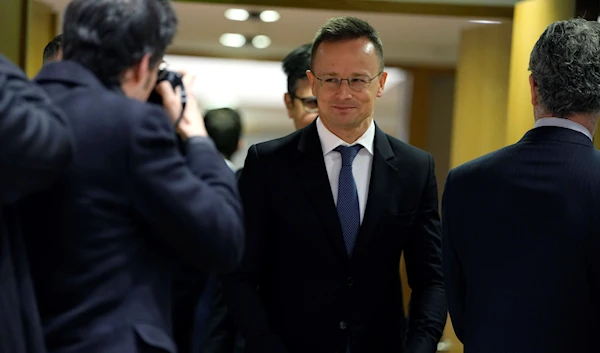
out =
column 174, row 79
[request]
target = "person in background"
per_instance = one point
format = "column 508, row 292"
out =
column 192, row 289
column 329, row 210
column 53, row 51
column 108, row 235
column 36, row 146
column 220, row 333
column 224, row 127
column 299, row 100
column 520, row 225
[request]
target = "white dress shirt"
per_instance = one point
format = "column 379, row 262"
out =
column 230, row 164
column 361, row 166
column 564, row 123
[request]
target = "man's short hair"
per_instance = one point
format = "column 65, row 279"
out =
column 565, row 65
column 110, row 36
column 295, row 65
column 344, row 28
column 52, row 49
column 224, row 126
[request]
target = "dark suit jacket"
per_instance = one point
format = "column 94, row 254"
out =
column 108, row 235
column 521, row 245
column 312, row 297
column 188, row 287
column 35, row 146
column 220, row 333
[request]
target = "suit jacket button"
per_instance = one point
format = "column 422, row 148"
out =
column 343, row 325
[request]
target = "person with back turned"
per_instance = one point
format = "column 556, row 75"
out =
column 520, row 225
column 329, row 210
column 36, row 146
column 224, row 127
column 107, row 237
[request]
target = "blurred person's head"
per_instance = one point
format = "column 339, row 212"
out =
column 53, row 50
column 299, row 100
column 121, row 41
column 346, row 75
column 565, row 72
column 224, row 126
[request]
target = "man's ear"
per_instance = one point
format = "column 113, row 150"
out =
column 533, row 90
column 312, row 80
column 139, row 71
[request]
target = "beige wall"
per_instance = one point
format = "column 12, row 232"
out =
column 13, row 26
column 480, row 104
column 42, row 29
column 440, row 124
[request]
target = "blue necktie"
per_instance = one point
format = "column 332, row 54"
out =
column 348, row 208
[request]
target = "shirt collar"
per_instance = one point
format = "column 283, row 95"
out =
column 329, row 141
column 564, row 123
column 230, row 164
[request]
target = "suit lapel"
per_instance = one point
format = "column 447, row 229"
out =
column 383, row 182
column 311, row 168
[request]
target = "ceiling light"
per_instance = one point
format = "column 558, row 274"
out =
column 485, row 22
column 269, row 16
column 237, row 14
column 261, row 41
column 234, row 40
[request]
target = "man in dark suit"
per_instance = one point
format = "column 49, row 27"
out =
column 35, row 147
column 520, row 230
column 329, row 210
column 109, row 234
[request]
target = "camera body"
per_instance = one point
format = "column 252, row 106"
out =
column 175, row 80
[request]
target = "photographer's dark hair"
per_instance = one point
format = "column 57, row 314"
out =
column 109, row 36
column 295, row 65
column 224, row 126
column 52, row 49
column 340, row 29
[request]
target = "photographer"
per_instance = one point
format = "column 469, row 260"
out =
column 107, row 237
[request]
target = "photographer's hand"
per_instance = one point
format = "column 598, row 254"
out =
column 191, row 123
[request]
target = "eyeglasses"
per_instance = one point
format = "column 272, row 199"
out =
column 309, row 104
column 355, row 83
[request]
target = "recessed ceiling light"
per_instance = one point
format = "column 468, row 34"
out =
column 261, row 41
column 234, row 40
column 485, row 22
column 237, row 14
column 269, row 16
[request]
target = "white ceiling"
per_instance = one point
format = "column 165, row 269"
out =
column 408, row 39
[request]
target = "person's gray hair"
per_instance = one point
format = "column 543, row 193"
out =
column 565, row 65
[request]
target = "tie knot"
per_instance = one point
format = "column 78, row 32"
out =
column 348, row 153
